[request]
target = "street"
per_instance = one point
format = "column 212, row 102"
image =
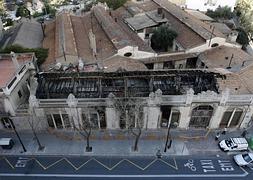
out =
column 88, row 167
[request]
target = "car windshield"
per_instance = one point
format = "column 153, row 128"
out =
column 228, row 143
column 247, row 158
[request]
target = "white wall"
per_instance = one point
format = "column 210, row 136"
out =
column 200, row 4
column 218, row 40
column 136, row 54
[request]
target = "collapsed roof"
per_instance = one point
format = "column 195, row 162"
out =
column 122, row 83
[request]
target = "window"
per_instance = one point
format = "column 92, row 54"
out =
column 128, row 54
column 22, row 70
column 90, row 120
column 215, row 45
column 12, row 82
column 19, row 94
column 66, row 121
column 58, row 121
column 231, row 119
column 50, row 121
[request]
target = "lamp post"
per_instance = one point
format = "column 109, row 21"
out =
column 33, row 102
column 167, row 139
column 14, row 128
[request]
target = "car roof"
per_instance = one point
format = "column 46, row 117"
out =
column 250, row 155
column 240, row 140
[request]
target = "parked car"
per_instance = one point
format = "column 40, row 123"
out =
column 6, row 143
column 234, row 144
column 244, row 159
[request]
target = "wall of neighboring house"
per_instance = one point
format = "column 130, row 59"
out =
column 18, row 92
column 215, row 41
column 136, row 53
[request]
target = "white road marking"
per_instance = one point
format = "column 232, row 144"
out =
column 123, row 176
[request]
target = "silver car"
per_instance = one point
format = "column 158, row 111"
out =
column 244, row 159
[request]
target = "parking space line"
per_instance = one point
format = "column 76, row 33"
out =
column 8, row 162
column 175, row 163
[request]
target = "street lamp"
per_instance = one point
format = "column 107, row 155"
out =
column 168, row 138
column 33, row 102
column 14, row 128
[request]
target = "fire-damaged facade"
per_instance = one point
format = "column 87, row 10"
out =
column 176, row 98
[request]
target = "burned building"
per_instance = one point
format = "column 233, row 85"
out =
column 181, row 98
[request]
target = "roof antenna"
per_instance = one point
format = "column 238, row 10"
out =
column 229, row 66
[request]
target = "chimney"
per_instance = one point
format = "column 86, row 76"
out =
column 159, row 11
column 14, row 60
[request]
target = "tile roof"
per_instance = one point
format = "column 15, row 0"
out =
column 27, row 34
column 49, row 43
column 118, row 62
column 199, row 15
column 111, row 28
column 186, row 36
column 195, row 24
column 246, row 77
column 234, row 83
column 219, row 57
column 140, row 22
column 64, row 36
column 122, row 13
column 223, row 28
column 7, row 68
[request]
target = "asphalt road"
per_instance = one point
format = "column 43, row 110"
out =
column 181, row 167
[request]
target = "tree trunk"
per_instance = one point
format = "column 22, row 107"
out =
column 88, row 141
column 137, row 138
column 88, row 148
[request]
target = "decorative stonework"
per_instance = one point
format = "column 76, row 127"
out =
column 224, row 96
column 189, row 96
column 72, row 101
column 208, row 95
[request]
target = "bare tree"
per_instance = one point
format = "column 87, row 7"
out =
column 84, row 127
column 84, row 130
column 131, row 113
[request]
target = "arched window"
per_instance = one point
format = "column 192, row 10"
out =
column 128, row 54
column 214, row 45
column 201, row 116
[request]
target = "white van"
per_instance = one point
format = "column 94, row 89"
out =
column 6, row 143
column 234, row 144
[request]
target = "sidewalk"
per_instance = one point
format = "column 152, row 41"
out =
column 118, row 143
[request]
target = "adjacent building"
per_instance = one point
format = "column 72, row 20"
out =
column 15, row 73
